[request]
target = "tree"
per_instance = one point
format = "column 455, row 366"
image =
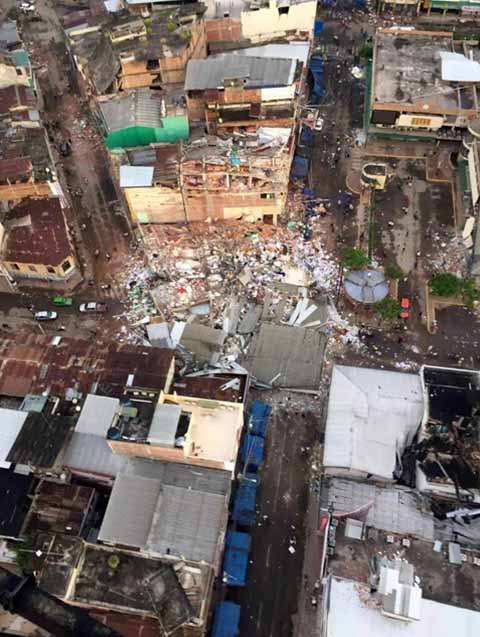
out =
column 354, row 259
column 366, row 52
column 393, row 272
column 388, row 308
column 470, row 292
column 446, row 284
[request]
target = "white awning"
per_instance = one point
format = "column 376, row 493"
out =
column 457, row 68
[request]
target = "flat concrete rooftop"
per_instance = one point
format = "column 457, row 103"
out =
column 407, row 72
column 440, row 580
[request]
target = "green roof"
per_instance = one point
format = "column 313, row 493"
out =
column 20, row 58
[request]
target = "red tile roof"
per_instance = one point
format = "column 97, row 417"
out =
column 41, row 238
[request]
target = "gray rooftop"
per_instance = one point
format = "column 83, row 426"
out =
column 141, row 107
column 286, row 356
column 393, row 509
column 89, row 453
column 98, row 58
column 97, row 415
column 8, row 33
column 168, row 508
column 164, row 425
column 130, row 511
column 408, row 71
column 257, row 72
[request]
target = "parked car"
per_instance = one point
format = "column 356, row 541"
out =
column 93, row 306
column 405, row 305
column 27, row 7
column 64, row 301
column 45, row 315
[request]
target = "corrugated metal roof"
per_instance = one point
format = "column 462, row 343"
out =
column 11, row 423
column 392, row 509
column 136, row 176
column 140, row 107
column 91, row 454
column 187, row 524
column 372, row 414
column 97, row 415
column 130, row 510
column 168, row 508
column 258, row 72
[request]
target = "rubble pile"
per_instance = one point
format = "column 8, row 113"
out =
column 206, row 264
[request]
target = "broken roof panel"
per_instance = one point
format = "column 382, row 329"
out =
column 372, row 415
column 258, row 72
column 390, row 508
column 286, row 356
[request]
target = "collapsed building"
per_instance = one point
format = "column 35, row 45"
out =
column 448, row 448
column 248, row 104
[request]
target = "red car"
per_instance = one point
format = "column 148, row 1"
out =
column 405, row 305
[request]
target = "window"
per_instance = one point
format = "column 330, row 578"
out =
column 32, row 268
column 421, row 121
column 267, row 195
column 19, row 71
column 66, row 265
column 283, row 10
column 50, row 269
column 15, row 266
column 152, row 65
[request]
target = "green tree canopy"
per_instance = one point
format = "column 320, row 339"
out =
column 393, row 272
column 388, row 308
column 354, row 259
column 446, row 284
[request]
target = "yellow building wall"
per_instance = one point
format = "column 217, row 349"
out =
column 420, row 121
column 262, row 24
column 39, row 271
column 155, row 205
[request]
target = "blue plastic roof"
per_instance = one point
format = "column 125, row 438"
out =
column 226, row 621
column 244, row 503
column 299, row 167
column 258, row 418
column 235, row 561
column 252, row 451
column 316, row 67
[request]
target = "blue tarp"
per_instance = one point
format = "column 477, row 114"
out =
column 318, row 27
column 244, row 503
column 235, row 562
column 299, row 167
column 227, row 619
column 306, row 136
column 252, row 452
column 316, row 68
column 258, row 418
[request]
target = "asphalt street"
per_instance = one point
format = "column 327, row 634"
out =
column 269, row 600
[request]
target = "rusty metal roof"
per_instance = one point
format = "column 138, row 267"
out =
column 31, row 363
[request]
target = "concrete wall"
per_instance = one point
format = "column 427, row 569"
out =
column 268, row 22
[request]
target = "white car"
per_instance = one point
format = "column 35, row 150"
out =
column 45, row 315
column 319, row 123
column 93, row 306
column 27, row 7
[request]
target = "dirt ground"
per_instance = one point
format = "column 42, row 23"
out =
column 99, row 226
